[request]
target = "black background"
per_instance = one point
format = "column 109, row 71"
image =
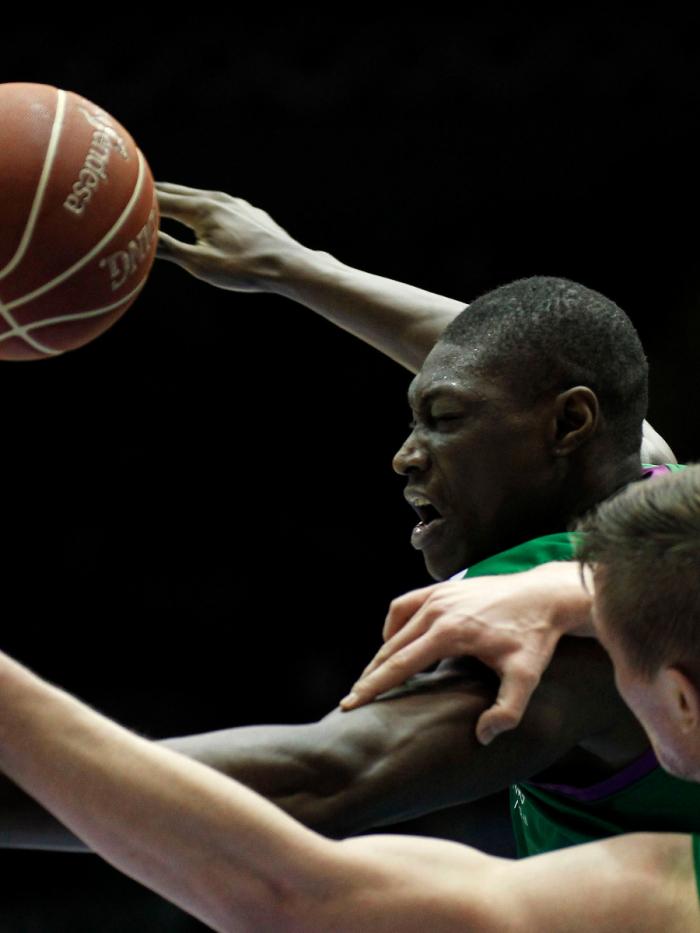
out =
column 200, row 523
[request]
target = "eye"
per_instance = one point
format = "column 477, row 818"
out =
column 445, row 419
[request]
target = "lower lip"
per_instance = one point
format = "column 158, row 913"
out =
column 423, row 535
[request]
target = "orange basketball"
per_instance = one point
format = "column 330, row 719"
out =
column 78, row 221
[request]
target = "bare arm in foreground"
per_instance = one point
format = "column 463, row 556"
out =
column 238, row 863
column 406, row 755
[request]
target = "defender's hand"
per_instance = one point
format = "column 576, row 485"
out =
column 511, row 623
column 238, row 246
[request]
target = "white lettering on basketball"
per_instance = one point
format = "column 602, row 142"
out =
column 124, row 263
column 104, row 140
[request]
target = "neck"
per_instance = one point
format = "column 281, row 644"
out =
column 582, row 485
column 562, row 497
column 595, row 478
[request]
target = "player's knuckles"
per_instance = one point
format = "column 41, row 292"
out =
column 221, row 197
column 450, row 632
column 397, row 607
column 379, row 658
column 524, row 672
column 396, row 666
column 202, row 208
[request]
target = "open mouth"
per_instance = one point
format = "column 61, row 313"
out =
column 430, row 520
column 427, row 512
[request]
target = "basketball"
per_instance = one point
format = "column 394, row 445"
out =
column 79, row 221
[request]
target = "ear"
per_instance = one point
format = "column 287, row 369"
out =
column 681, row 699
column 576, row 414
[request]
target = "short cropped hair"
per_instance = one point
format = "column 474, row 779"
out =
column 542, row 334
column 647, row 540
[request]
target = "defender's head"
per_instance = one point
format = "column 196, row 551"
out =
column 644, row 546
column 520, row 383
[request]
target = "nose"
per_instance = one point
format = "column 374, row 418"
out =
column 411, row 457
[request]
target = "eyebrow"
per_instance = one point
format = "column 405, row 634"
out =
column 444, row 389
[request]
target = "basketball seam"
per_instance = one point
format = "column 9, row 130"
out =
column 21, row 330
column 111, row 233
column 41, row 186
column 17, row 331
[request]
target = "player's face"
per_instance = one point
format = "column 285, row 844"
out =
column 476, row 462
column 648, row 700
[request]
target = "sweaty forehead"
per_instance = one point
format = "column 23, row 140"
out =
column 451, row 370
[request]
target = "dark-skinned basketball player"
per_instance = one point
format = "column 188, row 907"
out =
column 349, row 771
column 238, row 863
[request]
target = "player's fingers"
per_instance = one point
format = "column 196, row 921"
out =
column 517, row 686
column 174, row 250
column 417, row 625
column 186, row 209
column 409, row 633
column 392, row 673
column 403, row 608
column 168, row 187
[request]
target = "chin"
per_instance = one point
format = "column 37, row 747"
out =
column 441, row 570
column 682, row 766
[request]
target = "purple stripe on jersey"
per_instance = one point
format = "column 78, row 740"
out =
column 655, row 471
column 613, row 785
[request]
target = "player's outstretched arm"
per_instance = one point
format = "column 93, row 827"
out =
column 512, row 623
column 343, row 774
column 233, row 860
column 415, row 751
column 347, row 772
column 240, row 247
column 412, row 753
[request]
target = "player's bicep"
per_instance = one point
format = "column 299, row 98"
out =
column 415, row 750
column 641, row 882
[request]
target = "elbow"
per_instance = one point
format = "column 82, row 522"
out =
column 327, row 801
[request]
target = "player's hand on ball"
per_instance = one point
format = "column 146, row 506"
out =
column 238, row 246
column 511, row 623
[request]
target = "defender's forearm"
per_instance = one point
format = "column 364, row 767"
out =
column 400, row 320
column 283, row 763
column 207, row 843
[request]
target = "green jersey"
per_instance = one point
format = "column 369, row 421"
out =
column 641, row 797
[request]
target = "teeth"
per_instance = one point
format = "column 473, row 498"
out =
column 420, row 502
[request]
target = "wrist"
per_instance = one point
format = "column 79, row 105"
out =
column 560, row 586
column 290, row 268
